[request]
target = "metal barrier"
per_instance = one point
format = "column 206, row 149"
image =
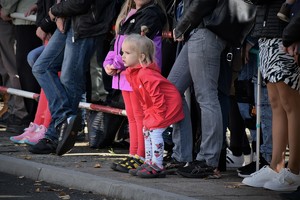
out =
column 258, row 107
column 89, row 106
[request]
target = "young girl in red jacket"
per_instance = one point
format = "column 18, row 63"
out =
column 159, row 98
column 133, row 15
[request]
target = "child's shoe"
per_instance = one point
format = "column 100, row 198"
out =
column 114, row 164
column 284, row 12
column 132, row 163
column 133, row 172
column 152, row 171
column 37, row 135
column 28, row 132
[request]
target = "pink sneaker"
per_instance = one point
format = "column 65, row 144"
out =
column 37, row 135
column 27, row 133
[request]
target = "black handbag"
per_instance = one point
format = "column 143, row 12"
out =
column 232, row 20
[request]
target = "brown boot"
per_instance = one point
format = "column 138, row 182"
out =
column 4, row 109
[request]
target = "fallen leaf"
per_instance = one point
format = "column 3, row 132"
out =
column 232, row 186
column 65, row 197
column 62, row 193
column 97, row 165
column 27, row 157
column 21, row 176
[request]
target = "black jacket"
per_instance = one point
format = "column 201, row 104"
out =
column 194, row 11
column 90, row 18
column 267, row 23
column 291, row 33
column 149, row 15
column 42, row 18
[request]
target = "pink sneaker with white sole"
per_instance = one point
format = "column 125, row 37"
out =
column 28, row 132
column 37, row 135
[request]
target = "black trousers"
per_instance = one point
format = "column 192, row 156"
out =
column 27, row 41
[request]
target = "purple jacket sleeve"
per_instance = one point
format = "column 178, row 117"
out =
column 118, row 62
column 109, row 59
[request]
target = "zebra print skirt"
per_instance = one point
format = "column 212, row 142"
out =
column 276, row 65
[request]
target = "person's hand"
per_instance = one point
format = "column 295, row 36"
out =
column 41, row 34
column 296, row 53
column 293, row 51
column 60, row 24
column 180, row 39
column 31, row 11
column 4, row 16
column 111, row 70
column 296, row 57
column 146, row 131
column 52, row 17
column 246, row 52
column 144, row 30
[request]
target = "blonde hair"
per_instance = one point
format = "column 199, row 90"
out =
column 130, row 4
column 142, row 45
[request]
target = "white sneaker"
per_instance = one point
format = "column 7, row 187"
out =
column 259, row 178
column 233, row 161
column 285, row 181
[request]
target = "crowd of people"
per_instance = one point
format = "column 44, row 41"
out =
column 88, row 50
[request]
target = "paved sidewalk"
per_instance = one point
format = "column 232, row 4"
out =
column 88, row 169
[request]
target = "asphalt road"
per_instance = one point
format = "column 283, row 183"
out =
column 17, row 188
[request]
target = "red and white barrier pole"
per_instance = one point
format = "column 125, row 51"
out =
column 101, row 108
column 89, row 106
column 21, row 93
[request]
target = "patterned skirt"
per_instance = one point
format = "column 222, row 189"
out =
column 276, row 65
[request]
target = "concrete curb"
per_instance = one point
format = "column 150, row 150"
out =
column 83, row 181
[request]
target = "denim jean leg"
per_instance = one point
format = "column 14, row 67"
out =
column 182, row 135
column 46, row 69
column 266, row 124
column 244, row 110
column 51, row 132
column 64, row 93
column 204, row 51
column 74, row 69
column 34, row 54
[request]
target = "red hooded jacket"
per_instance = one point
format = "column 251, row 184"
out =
column 160, row 99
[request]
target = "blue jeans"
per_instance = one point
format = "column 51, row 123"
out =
column 64, row 92
column 266, row 124
column 199, row 63
column 31, row 59
column 34, row 54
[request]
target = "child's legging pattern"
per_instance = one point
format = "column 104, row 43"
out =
column 154, row 146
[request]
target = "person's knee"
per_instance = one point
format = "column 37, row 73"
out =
column 38, row 69
column 30, row 61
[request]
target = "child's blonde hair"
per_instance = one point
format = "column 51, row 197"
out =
column 130, row 4
column 143, row 46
